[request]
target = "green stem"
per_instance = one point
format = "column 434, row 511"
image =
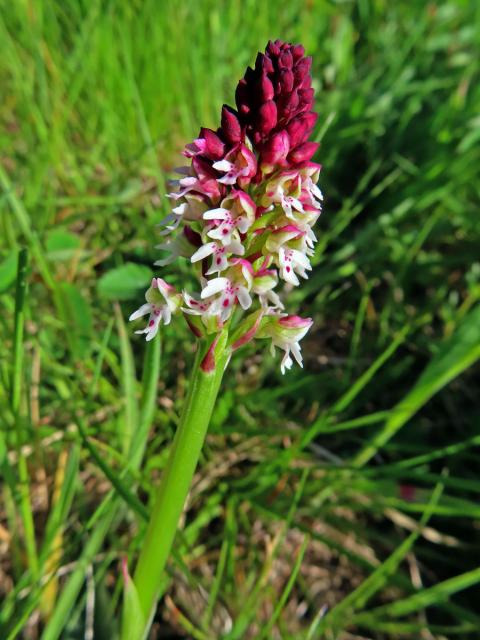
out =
column 16, row 391
column 177, row 478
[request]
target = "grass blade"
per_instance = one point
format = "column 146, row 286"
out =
column 16, row 390
column 455, row 356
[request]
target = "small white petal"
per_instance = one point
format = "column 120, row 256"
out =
column 214, row 286
column 152, row 331
column 219, row 263
column 144, row 309
column 289, row 276
column 222, row 165
column 274, row 299
column 229, row 178
column 188, row 182
column 301, row 259
column 286, row 363
column 192, row 312
column 204, row 251
column 166, row 315
column 316, row 191
column 282, row 257
column 243, row 224
column 180, row 210
column 244, row 298
column 297, row 205
column 237, row 247
column 216, row 214
column 295, row 348
column 287, row 207
column 218, row 234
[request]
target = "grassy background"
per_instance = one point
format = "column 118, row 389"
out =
column 352, row 484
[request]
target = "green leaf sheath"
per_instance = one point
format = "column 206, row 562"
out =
column 177, row 477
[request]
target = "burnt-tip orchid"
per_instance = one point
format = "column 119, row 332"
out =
column 243, row 211
column 244, row 208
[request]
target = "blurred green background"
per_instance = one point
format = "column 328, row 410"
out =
column 340, row 501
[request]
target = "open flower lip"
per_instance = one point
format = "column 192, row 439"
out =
column 244, row 208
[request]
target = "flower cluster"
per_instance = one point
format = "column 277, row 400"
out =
column 244, row 208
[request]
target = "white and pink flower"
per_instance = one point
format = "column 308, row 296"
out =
column 220, row 253
column 238, row 166
column 162, row 302
column 286, row 333
column 228, row 291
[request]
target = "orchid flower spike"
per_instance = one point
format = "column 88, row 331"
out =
column 244, row 210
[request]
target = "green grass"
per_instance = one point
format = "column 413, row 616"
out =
column 352, row 484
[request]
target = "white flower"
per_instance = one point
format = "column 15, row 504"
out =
column 286, row 333
column 225, row 224
column 219, row 253
column 263, row 284
column 195, row 305
column 285, row 190
column 239, row 163
column 292, row 262
column 230, row 292
column 162, row 301
column 310, row 175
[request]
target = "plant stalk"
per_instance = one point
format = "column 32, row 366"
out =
column 16, row 391
column 176, row 480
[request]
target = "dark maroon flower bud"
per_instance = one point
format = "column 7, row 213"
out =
column 269, row 98
column 265, row 88
column 276, row 148
column 302, row 69
column 303, row 153
column 250, row 76
column 286, row 60
column 298, row 51
column 242, row 97
column 288, row 105
column 267, row 117
column 310, row 119
column 306, row 95
column 214, row 147
column 259, row 61
column 267, row 64
column 306, row 83
column 286, row 80
column 230, row 125
column 273, row 49
column 297, row 130
column 300, row 128
column 263, row 63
